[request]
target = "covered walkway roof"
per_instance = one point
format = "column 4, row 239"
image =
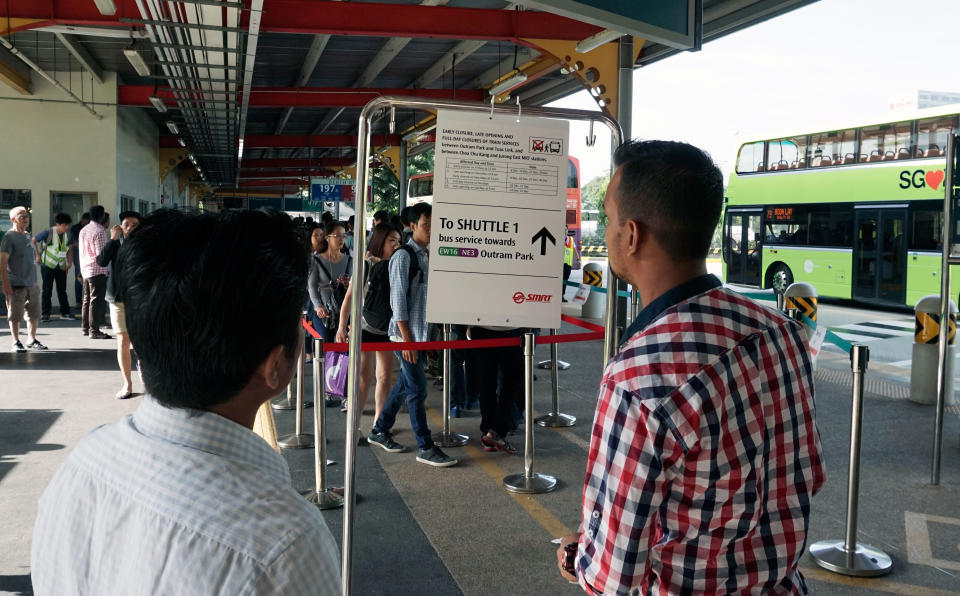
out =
column 289, row 77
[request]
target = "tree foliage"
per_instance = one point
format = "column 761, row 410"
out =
column 386, row 187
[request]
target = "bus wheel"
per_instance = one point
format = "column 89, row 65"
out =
column 779, row 278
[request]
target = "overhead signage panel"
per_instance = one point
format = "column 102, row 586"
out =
column 499, row 200
column 670, row 22
column 330, row 190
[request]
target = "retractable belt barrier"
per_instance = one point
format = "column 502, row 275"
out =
column 595, row 332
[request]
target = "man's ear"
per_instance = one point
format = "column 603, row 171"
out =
column 274, row 368
column 635, row 234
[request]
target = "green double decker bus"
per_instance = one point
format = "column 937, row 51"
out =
column 857, row 212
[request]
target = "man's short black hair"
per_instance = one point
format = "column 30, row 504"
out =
column 192, row 284
column 125, row 214
column 419, row 209
column 673, row 188
column 62, row 218
column 405, row 216
column 381, row 215
column 98, row 214
column 85, row 216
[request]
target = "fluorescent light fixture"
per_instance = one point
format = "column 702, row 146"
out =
column 106, row 7
column 182, row 142
column 173, row 127
column 596, row 40
column 508, row 84
column 158, row 103
column 192, row 158
column 136, row 61
column 240, row 150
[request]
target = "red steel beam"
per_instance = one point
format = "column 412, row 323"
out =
column 280, row 164
column 299, row 141
column 410, row 20
column 304, row 97
column 280, row 174
column 64, row 12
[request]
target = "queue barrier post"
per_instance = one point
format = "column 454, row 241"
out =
column 321, row 496
column 299, row 439
column 447, row 438
column 528, row 482
column 847, row 556
column 555, row 419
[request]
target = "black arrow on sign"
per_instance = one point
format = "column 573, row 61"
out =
column 543, row 235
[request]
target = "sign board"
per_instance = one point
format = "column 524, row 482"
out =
column 499, row 199
column 329, row 190
column 670, row 22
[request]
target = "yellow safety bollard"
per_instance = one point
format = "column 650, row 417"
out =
column 593, row 276
column 802, row 297
column 926, row 353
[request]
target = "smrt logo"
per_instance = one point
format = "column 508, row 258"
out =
column 520, row 297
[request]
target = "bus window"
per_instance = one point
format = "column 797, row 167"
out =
column 786, row 154
column 420, row 189
column 573, row 179
column 886, row 142
column 932, row 135
column 927, row 227
column 830, row 225
column 786, row 225
column 750, row 158
column 833, row 148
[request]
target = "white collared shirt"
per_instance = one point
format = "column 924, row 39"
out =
column 174, row 501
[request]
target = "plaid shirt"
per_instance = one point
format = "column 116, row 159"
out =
column 92, row 238
column 704, row 453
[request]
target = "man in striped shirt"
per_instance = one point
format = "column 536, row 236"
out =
column 704, row 453
column 92, row 238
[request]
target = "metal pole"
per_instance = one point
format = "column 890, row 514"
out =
column 846, row 556
column 320, row 496
column 299, row 439
column 529, row 482
column 447, row 438
column 945, row 311
column 555, row 418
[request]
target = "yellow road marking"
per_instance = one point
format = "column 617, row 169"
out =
column 874, row 584
column 534, row 509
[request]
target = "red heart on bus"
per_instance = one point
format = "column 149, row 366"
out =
column 934, row 178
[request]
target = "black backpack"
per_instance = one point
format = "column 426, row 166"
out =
column 376, row 302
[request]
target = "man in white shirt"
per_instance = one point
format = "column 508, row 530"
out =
column 181, row 497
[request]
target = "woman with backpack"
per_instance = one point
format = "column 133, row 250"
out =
column 329, row 280
column 376, row 314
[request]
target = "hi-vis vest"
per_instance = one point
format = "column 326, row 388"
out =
column 54, row 255
column 568, row 251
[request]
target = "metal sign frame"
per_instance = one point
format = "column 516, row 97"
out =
column 948, row 257
column 386, row 104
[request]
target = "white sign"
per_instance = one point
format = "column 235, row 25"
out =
column 498, row 224
column 583, row 292
column 816, row 342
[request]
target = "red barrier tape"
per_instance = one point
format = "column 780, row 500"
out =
column 466, row 344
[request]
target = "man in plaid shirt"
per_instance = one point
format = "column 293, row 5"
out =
column 92, row 238
column 704, row 453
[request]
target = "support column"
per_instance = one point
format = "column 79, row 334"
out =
column 625, row 64
column 402, row 177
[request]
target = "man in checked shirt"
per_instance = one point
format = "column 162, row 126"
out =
column 705, row 452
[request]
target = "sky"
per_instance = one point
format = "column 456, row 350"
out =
column 829, row 64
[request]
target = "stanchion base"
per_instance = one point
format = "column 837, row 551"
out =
column 326, row 499
column 301, row 441
column 521, row 483
column 546, row 364
column 284, row 404
column 555, row 421
column 450, row 440
column 867, row 561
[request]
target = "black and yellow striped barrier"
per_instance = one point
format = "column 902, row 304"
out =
column 805, row 304
column 593, row 251
column 927, row 328
column 593, row 278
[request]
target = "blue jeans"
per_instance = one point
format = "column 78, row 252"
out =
column 411, row 386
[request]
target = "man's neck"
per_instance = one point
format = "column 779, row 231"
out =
column 653, row 282
column 422, row 245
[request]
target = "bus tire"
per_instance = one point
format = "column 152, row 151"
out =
column 779, row 277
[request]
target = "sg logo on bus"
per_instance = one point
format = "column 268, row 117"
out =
column 921, row 179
